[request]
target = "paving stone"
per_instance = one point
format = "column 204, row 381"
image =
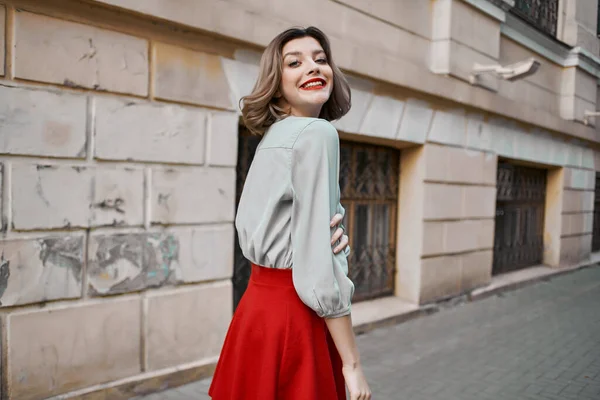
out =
column 536, row 343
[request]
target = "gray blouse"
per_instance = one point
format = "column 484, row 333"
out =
column 290, row 195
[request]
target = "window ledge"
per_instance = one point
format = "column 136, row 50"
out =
column 549, row 48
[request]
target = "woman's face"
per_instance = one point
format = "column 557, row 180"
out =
column 307, row 78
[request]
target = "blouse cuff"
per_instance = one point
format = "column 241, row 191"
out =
column 339, row 314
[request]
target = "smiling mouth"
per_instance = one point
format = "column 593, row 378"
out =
column 314, row 84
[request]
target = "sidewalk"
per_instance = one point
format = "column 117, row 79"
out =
column 539, row 342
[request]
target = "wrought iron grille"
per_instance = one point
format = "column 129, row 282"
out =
column 596, row 225
column 369, row 193
column 519, row 231
column 542, row 14
column 369, row 178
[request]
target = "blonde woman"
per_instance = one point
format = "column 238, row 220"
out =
column 291, row 336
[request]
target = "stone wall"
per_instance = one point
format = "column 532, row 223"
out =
column 117, row 160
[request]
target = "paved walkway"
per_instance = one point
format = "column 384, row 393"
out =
column 539, row 342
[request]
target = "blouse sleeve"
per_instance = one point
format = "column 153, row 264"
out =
column 320, row 276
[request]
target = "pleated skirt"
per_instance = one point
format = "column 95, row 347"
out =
column 276, row 347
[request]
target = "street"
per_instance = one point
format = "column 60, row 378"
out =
column 539, row 342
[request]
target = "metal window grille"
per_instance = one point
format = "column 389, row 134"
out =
column 542, row 14
column 519, row 230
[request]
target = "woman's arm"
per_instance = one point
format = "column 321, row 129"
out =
column 343, row 336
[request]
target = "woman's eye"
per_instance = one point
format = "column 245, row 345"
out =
column 322, row 60
column 294, row 64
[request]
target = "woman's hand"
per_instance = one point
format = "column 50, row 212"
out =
column 338, row 234
column 356, row 382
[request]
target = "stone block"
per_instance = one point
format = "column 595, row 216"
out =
column 413, row 16
column 383, row 117
column 206, row 253
column 512, row 140
column 587, row 158
column 574, row 249
column 577, row 82
column 121, row 263
column 190, row 76
column 573, row 155
column 53, row 351
column 42, row 269
column 79, row 55
column 479, row 202
column 132, row 130
column 415, row 121
column 577, row 224
column 448, row 127
column 437, row 160
column 574, row 107
column 440, row 278
column 382, row 37
column 587, row 37
column 223, row 139
column 442, row 201
column 95, row 197
column 362, row 95
column 433, row 238
column 459, row 165
column 579, row 179
column 187, row 325
column 476, row 269
column 490, row 169
column 461, row 236
column 460, row 61
column 586, row 15
column 576, row 201
column 40, row 201
column 548, row 76
column 241, row 77
column 2, row 40
column 475, row 29
column 128, row 262
column 479, row 135
column 503, row 135
column 193, row 195
column 118, row 197
column 40, row 123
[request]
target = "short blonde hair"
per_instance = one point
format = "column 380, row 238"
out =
column 260, row 109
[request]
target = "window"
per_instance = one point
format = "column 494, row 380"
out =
column 542, row 14
column 369, row 178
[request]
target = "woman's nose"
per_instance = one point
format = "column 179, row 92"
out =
column 313, row 68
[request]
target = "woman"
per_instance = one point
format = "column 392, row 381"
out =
column 291, row 337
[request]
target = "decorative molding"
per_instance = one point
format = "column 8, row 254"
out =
column 584, row 59
column 524, row 34
column 490, row 8
column 554, row 50
column 505, row 5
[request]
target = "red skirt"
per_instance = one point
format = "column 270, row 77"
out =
column 277, row 348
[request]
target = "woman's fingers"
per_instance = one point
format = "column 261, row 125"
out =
column 336, row 220
column 337, row 235
column 342, row 245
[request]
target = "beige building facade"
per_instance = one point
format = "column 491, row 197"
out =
column 122, row 156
